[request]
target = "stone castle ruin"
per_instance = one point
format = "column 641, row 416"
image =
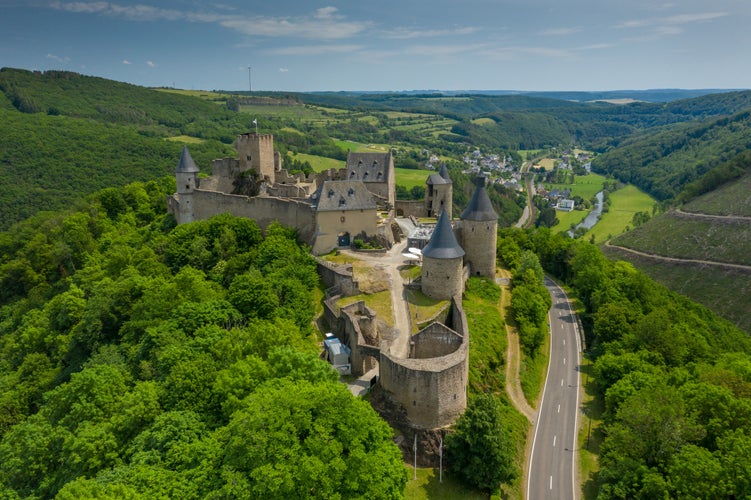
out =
column 329, row 209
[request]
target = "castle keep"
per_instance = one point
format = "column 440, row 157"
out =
column 329, row 209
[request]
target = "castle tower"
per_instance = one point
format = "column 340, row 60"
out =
column 442, row 262
column 439, row 193
column 256, row 151
column 186, row 175
column 479, row 232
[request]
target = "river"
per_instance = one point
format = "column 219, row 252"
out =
column 591, row 219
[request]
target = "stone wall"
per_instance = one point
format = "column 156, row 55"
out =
column 264, row 210
column 434, row 341
column 433, row 390
column 223, row 174
column 358, row 327
column 339, row 276
column 414, row 208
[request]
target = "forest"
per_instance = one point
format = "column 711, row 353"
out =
column 663, row 161
column 140, row 359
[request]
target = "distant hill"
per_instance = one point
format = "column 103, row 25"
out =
column 64, row 135
column 596, row 125
column 663, row 161
column 702, row 251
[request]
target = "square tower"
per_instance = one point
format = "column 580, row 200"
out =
column 256, row 152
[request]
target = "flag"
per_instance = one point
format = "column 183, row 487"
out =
column 255, row 121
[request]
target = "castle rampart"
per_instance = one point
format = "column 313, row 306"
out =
column 338, row 276
column 264, row 209
column 432, row 390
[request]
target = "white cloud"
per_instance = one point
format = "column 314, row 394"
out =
column 283, row 70
column 661, row 27
column 327, row 13
column 409, row 33
column 676, row 20
column 132, row 12
column 560, row 31
column 314, row 50
column 125, row 61
column 58, row 58
column 325, row 24
column 151, row 64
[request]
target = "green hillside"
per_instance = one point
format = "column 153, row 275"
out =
column 663, row 162
column 720, row 236
column 154, row 113
column 733, row 198
column 48, row 162
column 685, row 236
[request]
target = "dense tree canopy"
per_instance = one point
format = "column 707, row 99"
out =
column 139, row 359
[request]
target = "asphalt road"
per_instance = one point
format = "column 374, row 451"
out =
column 553, row 462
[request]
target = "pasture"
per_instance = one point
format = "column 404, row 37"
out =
column 624, row 203
column 319, row 163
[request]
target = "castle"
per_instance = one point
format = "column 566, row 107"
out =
column 329, row 209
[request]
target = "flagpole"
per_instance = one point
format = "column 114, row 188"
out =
column 415, row 451
column 440, row 467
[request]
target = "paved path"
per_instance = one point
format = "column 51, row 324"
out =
column 553, row 462
column 513, row 357
column 676, row 259
column 391, row 261
column 737, row 218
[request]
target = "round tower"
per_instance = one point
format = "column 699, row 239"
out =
column 186, row 176
column 479, row 232
column 439, row 193
column 441, row 276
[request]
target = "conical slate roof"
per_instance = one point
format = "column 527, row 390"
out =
column 444, row 172
column 443, row 244
column 186, row 165
column 440, row 178
column 479, row 208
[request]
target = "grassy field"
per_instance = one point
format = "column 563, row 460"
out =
column 422, row 308
column 380, row 302
column 624, row 203
column 565, row 219
column 203, row 94
column 731, row 199
column 483, row 121
column 408, row 177
column 487, row 349
column 320, row 163
column 546, row 163
column 301, row 113
column 358, row 147
column 428, row 487
column 185, row 139
column 725, row 291
column 585, row 186
column 674, row 235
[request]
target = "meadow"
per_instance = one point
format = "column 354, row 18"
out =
column 624, row 203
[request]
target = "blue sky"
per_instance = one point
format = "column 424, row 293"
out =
column 305, row 45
